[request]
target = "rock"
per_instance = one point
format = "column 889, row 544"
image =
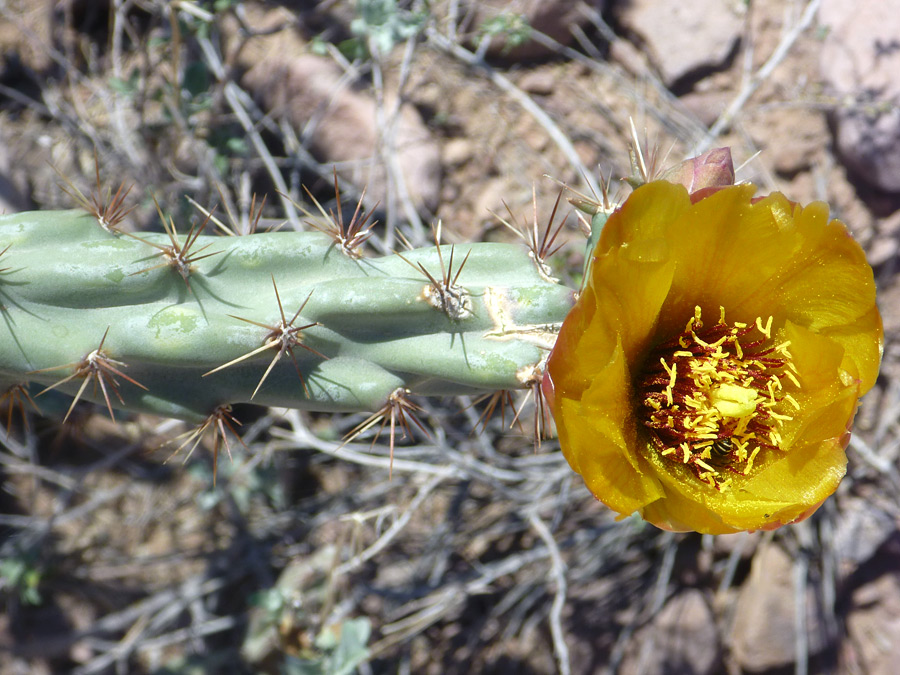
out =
column 538, row 82
column 458, row 151
column 765, row 613
column 873, row 626
column 862, row 529
column 554, row 18
column 681, row 638
column 763, row 635
column 791, row 139
column 683, row 38
column 873, row 615
column 887, row 245
column 859, row 63
column 490, row 199
column 706, row 106
column 340, row 121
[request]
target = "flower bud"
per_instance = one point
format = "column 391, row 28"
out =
column 704, row 174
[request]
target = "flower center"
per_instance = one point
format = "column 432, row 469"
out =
column 714, row 398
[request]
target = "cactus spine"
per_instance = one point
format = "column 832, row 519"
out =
column 181, row 325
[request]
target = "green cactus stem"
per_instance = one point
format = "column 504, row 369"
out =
column 181, row 325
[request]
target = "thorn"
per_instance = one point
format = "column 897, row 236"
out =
column 255, row 213
column 220, row 421
column 646, row 161
column 584, row 225
column 541, row 411
column 595, row 203
column 349, row 238
column 283, row 336
column 445, row 293
column 403, row 240
column 748, row 160
column 177, row 255
column 540, row 245
column 397, row 411
column 16, row 396
column 5, row 269
column 100, row 368
column 235, row 229
column 636, row 153
column 497, row 399
column 108, row 208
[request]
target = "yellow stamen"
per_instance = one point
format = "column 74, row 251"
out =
column 704, row 465
column 789, row 375
column 750, row 460
column 767, row 331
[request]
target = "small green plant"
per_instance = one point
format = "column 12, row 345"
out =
column 514, row 29
column 22, row 576
column 339, row 650
column 258, row 484
column 384, row 24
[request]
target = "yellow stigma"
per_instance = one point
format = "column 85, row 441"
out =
column 715, row 404
column 733, row 400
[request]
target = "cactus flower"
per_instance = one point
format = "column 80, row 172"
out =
column 708, row 375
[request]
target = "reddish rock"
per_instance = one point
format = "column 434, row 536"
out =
column 339, row 121
column 763, row 636
column 682, row 38
column 681, row 638
column 860, row 60
column 342, row 124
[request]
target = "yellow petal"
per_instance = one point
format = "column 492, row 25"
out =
column 621, row 308
column 597, row 435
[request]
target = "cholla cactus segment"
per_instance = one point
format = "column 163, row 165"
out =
column 370, row 326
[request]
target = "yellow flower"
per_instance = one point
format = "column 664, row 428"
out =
column 709, row 373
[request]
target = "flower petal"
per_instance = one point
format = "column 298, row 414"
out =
column 598, row 442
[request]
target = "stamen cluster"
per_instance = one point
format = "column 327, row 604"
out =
column 715, row 398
